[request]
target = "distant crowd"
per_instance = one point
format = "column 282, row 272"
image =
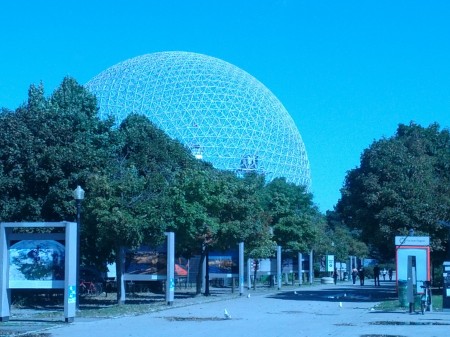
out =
column 377, row 272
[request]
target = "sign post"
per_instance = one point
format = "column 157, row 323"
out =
column 170, row 280
column 54, row 253
column 241, row 268
column 279, row 267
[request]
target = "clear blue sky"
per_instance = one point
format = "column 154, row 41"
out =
column 348, row 72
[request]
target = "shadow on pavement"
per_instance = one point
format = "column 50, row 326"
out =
column 340, row 294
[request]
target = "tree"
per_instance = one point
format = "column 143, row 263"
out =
column 292, row 215
column 259, row 243
column 214, row 209
column 403, row 183
column 346, row 242
column 129, row 200
column 47, row 147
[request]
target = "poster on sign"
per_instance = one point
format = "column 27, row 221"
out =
column 223, row 264
column 146, row 263
column 36, row 264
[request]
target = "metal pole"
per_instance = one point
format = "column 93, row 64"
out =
column 207, row 271
column 279, row 267
column 349, row 267
column 249, row 272
column 447, row 224
column 448, row 245
column 300, row 269
column 70, row 272
column 241, row 268
column 170, row 277
column 78, row 203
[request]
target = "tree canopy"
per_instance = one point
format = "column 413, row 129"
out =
column 403, row 183
column 47, row 147
column 293, row 216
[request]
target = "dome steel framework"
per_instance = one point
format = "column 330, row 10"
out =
column 223, row 114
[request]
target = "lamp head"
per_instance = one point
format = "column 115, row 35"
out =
column 78, row 193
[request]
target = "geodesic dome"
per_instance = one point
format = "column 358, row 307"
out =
column 224, row 115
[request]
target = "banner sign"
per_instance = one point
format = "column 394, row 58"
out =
column 330, row 263
column 412, row 240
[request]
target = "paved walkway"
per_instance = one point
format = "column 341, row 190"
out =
column 325, row 310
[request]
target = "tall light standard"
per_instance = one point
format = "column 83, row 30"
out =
column 446, row 224
column 78, row 195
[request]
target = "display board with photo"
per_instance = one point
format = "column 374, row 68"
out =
column 36, row 264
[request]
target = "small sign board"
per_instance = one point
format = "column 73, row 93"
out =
column 412, row 240
column 330, row 263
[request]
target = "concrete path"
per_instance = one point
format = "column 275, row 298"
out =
column 326, row 310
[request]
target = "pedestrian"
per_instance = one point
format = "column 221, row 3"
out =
column 384, row 272
column 376, row 275
column 335, row 275
column 390, row 274
column 361, row 275
column 354, row 274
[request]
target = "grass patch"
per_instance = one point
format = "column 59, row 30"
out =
column 393, row 305
column 106, row 306
column 119, row 310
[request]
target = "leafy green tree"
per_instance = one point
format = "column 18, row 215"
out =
column 129, row 200
column 292, row 215
column 259, row 243
column 216, row 209
column 346, row 242
column 403, row 183
column 47, row 147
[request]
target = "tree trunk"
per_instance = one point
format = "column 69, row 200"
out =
column 119, row 276
column 207, row 272
column 200, row 274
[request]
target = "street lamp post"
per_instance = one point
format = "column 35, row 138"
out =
column 78, row 195
column 446, row 224
column 205, row 248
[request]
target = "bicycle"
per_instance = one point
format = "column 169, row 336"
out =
column 425, row 299
column 90, row 288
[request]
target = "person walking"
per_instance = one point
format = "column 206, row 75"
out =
column 376, row 275
column 390, row 274
column 384, row 272
column 354, row 274
column 335, row 275
column 361, row 275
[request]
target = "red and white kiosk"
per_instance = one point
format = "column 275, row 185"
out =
column 413, row 266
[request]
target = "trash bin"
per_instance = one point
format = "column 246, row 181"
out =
column 402, row 293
